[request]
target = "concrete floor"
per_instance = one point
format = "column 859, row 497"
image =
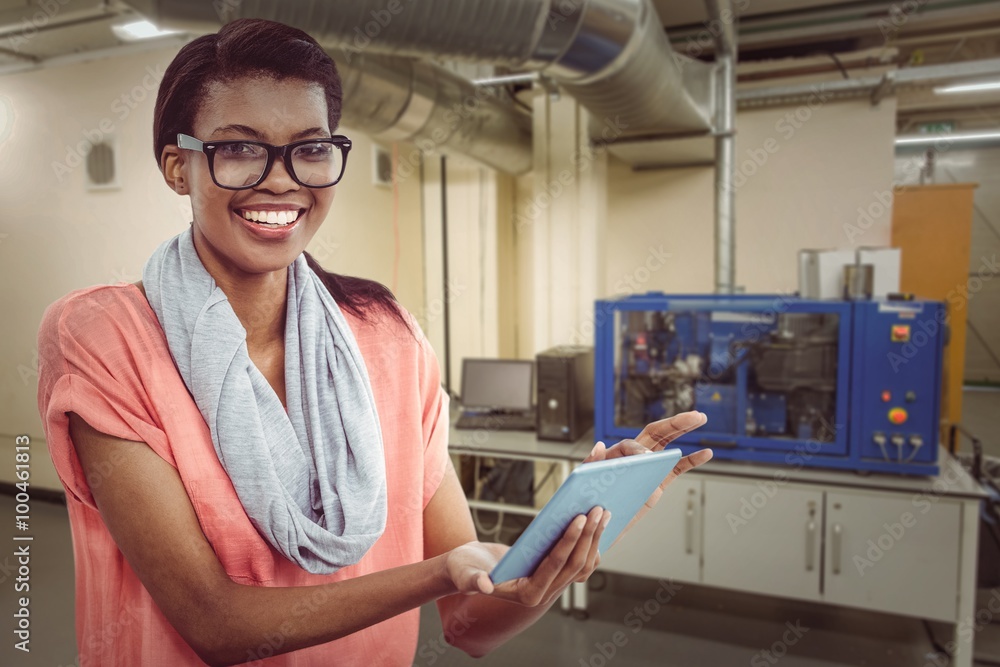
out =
column 699, row 627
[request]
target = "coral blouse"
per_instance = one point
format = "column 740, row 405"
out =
column 103, row 355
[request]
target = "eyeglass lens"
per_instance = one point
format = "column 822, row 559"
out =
column 314, row 164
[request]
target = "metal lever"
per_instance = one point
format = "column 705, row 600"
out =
column 811, row 541
column 689, row 527
column 837, row 534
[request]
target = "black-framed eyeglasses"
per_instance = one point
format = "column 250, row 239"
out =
column 239, row 165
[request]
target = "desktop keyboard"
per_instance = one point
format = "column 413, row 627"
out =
column 497, row 421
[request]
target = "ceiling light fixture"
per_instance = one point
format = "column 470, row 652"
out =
column 138, row 30
column 916, row 139
column 969, row 87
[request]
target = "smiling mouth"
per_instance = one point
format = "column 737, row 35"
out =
column 273, row 219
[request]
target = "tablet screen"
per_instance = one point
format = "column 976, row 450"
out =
column 620, row 485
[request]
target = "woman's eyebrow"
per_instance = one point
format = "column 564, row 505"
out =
column 244, row 129
column 247, row 130
column 310, row 132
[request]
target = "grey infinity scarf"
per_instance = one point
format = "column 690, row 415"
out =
column 313, row 480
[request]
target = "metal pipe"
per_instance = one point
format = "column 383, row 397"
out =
column 889, row 83
column 507, row 78
column 725, row 164
column 721, row 14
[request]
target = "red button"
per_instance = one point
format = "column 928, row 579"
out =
column 900, row 333
column 886, row 397
column 897, row 415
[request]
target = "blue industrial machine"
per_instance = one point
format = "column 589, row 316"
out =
column 783, row 380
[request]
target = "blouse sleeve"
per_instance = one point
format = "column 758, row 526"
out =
column 435, row 419
column 88, row 363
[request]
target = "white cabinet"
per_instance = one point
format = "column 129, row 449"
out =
column 666, row 543
column 763, row 537
column 894, row 553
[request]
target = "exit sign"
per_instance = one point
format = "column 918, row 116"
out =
column 940, row 127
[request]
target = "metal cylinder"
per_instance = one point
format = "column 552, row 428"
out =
column 859, row 281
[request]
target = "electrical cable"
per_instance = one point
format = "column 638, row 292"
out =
column 840, row 65
column 934, row 642
column 885, row 454
column 514, row 98
column 495, row 531
column 545, row 478
column 395, row 216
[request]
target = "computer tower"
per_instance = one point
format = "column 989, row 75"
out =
column 565, row 381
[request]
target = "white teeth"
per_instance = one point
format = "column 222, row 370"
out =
column 284, row 217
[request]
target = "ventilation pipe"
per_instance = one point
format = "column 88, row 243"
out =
column 400, row 99
column 611, row 55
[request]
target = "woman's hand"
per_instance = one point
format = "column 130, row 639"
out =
column 573, row 558
column 653, row 438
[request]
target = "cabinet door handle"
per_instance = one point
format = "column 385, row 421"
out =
column 689, row 528
column 835, row 547
column 810, row 545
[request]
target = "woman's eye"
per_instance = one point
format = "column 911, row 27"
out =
column 239, row 151
column 318, row 151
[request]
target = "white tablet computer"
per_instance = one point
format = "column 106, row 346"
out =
column 619, row 485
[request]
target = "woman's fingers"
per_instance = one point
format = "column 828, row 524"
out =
column 594, row 555
column 689, row 462
column 582, row 551
column 564, row 562
column 659, row 434
column 597, row 453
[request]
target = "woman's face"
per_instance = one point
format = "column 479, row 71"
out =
column 258, row 109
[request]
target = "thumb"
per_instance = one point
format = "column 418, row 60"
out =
column 484, row 583
column 475, row 580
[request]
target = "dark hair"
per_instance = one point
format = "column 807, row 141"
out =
column 260, row 48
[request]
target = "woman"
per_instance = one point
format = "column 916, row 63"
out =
column 185, row 413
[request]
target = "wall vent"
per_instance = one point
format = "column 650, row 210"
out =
column 102, row 168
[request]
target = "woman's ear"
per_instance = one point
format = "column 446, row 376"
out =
column 174, row 169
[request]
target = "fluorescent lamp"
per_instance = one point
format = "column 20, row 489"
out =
column 915, row 139
column 969, row 87
column 136, row 30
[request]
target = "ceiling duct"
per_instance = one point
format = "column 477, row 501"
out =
column 611, row 55
column 400, row 99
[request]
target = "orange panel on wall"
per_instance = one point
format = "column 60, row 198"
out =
column 932, row 224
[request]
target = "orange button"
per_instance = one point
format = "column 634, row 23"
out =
column 886, row 397
column 897, row 415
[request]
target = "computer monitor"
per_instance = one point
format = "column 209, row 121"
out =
column 497, row 384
